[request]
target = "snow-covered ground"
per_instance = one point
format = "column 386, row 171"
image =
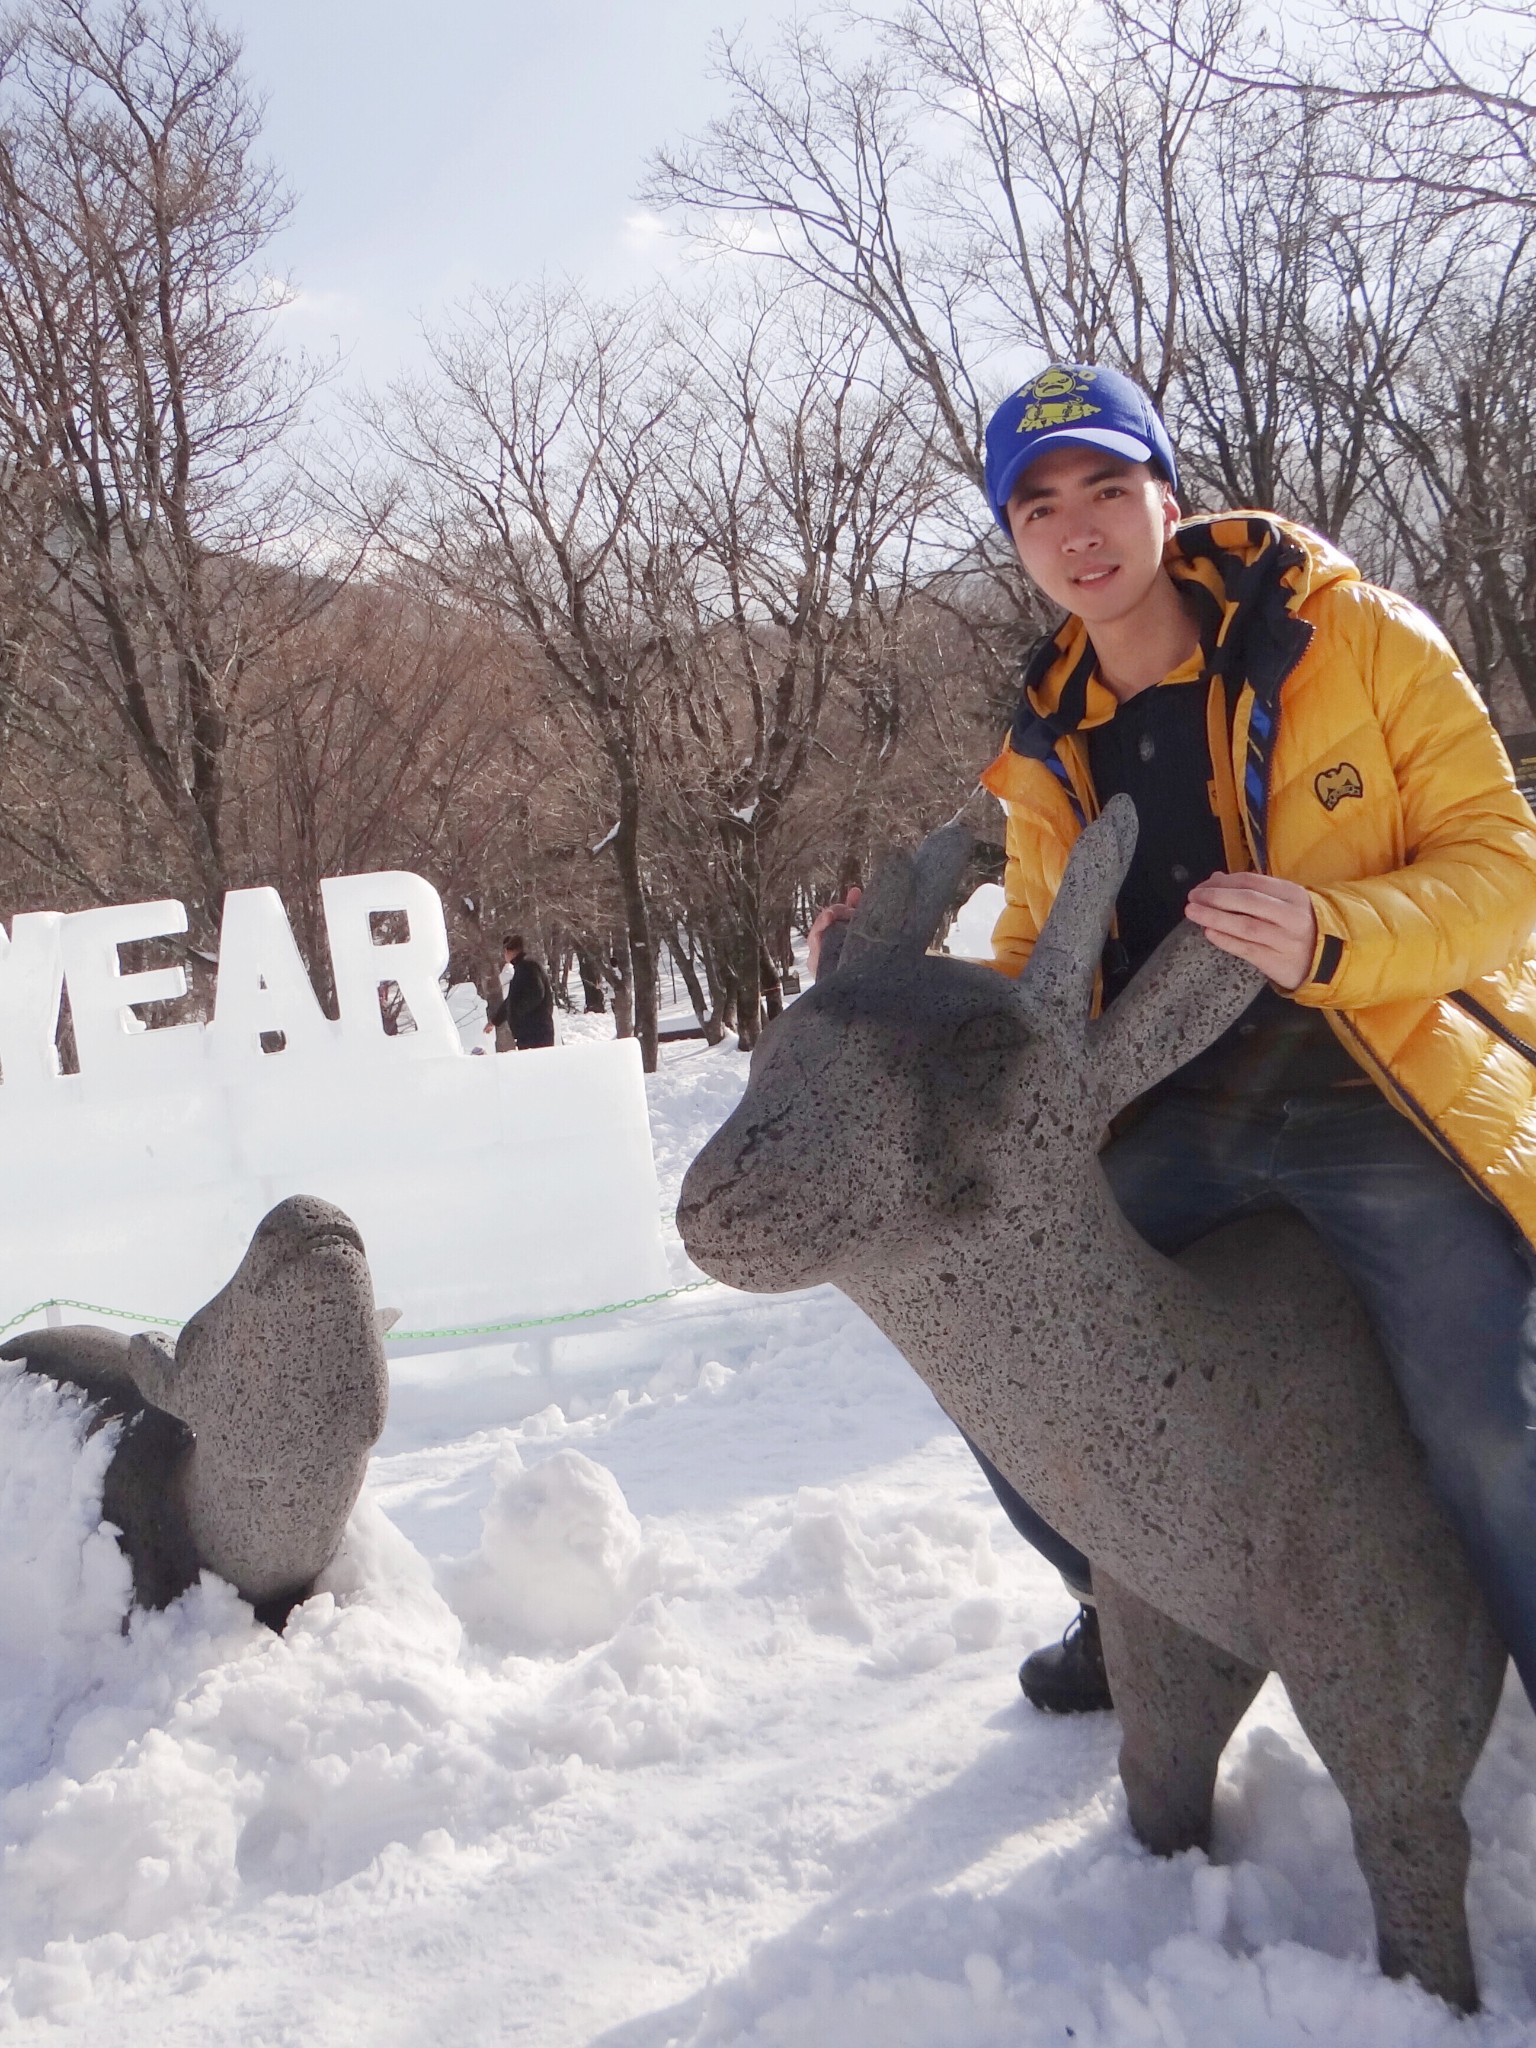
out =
column 663, row 1694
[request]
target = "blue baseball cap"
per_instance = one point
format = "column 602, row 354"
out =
column 1067, row 403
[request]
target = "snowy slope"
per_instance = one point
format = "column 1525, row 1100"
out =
column 664, row 1694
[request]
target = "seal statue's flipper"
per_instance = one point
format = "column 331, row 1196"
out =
column 141, row 1492
column 152, row 1362
column 81, row 1355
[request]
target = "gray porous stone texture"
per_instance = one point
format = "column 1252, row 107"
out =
column 244, row 1449
column 1219, row 1432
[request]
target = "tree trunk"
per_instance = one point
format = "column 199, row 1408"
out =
column 590, row 972
column 702, row 1009
column 1485, row 520
column 749, row 994
column 617, row 974
column 625, row 847
column 715, row 980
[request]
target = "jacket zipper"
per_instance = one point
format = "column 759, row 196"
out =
column 1487, row 1019
column 1391, row 1086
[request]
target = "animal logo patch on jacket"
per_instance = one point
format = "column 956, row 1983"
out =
column 1334, row 784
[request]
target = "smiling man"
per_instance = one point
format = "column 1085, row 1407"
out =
column 1320, row 789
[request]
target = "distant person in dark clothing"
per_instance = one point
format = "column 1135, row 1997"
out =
column 527, row 1006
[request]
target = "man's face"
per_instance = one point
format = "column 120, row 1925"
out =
column 1090, row 529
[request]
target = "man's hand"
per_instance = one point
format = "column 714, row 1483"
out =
column 835, row 913
column 1261, row 919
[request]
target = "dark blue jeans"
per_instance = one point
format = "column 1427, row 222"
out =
column 1444, row 1276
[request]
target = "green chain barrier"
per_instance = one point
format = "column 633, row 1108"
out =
column 96, row 1308
column 579, row 1315
column 576, row 1315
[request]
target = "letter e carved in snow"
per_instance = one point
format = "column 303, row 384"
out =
column 109, row 1044
column 31, row 982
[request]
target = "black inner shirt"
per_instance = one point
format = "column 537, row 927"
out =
column 1155, row 751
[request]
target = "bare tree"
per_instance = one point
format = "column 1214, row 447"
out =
column 978, row 178
column 1452, row 84
column 531, row 483
column 1276, row 238
column 379, row 739
column 806, row 482
column 1309, row 288
column 1455, row 475
column 142, row 420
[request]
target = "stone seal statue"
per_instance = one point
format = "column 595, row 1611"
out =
column 243, row 1450
column 1219, row 1431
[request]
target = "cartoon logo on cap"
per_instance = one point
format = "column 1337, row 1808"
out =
column 1055, row 399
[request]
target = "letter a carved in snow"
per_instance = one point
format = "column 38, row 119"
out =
column 263, row 983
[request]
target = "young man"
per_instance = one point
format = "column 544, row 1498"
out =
column 1319, row 788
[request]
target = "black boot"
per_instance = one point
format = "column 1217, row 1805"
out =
column 1068, row 1678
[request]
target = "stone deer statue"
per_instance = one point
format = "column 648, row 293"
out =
column 1218, row 1432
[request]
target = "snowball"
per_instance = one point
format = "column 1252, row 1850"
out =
column 559, row 1559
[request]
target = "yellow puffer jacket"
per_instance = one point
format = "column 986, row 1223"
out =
column 1352, row 755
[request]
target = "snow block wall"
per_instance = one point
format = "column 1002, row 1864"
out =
column 486, row 1188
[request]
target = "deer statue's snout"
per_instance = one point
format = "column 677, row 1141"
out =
column 731, row 1225
column 766, row 1205
column 844, row 1140
column 715, row 1208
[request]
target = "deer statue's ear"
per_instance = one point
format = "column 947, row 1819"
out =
column 883, row 910
column 937, row 867
column 1056, row 987
column 1178, row 1004
column 906, row 902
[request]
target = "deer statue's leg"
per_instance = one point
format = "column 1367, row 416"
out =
column 1179, row 1698
column 1402, row 1756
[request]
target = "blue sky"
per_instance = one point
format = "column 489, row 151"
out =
column 431, row 148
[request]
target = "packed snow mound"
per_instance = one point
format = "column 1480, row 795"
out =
column 159, row 1771
column 66, row 1583
column 849, row 1572
column 970, row 933
column 662, row 1691
column 561, row 1559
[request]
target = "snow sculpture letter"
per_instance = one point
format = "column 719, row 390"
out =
column 413, row 963
column 924, row 1133
column 264, row 986
column 31, row 983
column 111, row 1043
column 134, row 1180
